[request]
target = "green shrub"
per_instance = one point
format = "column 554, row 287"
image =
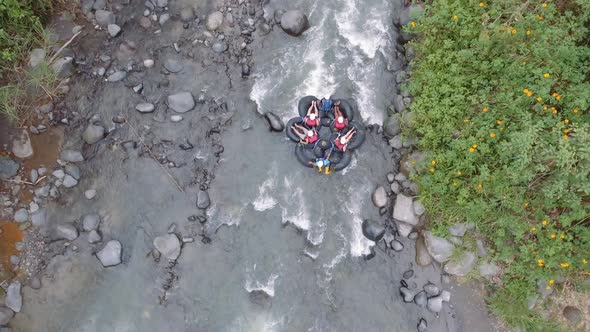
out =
column 502, row 106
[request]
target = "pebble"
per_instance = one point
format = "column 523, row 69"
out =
column 6, row 315
column 181, row 102
column 172, row 65
column 14, row 260
column 435, row 304
column 458, row 229
column 187, row 239
column 431, row 289
column 34, row 176
column 164, row 18
column 421, row 299
column 90, row 194
column 21, row 215
column 116, row 76
column 419, row 208
column 395, row 188
column 403, row 210
column 42, row 192
column 59, row 173
column 90, row 222
column 439, row 248
column 168, row 245
column 203, row 200
column 145, row 108
column 408, row 274
column 406, row 294
column 69, row 156
column 35, row 282
column 572, row 314
column 400, row 177
column 413, row 236
column 422, row 325
column 67, row 232
column 113, row 30
column 69, row 181
column 94, row 237
column 73, row 170
column 396, row 245
column 148, row 63
column 219, row 47
column 110, row 255
column 462, row 265
column 176, row 118
column 14, row 299
column 138, row 88
column 446, row 296
column 379, row 197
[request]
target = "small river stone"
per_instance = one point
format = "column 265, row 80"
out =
column 145, row 108
column 181, row 102
column 173, row 65
column 90, row 194
column 408, row 274
column 6, row 315
column 421, row 299
column 116, row 76
column 90, row 222
column 110, row 255
column 396, row 245
column 422, row 325
column 406, row 294
column 148, row 63
column 114, row 30
column 435, row 304
column 69, row 181
column 168, row 245
column 203, row 200
column 14, row 299
column 67, row 232
column 176, row 118
column 93, row 237
column 71, row 156
column 431, row 289
column 21, row 215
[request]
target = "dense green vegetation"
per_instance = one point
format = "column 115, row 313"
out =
column 502, row 107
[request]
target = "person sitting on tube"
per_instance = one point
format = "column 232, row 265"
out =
column 326, row 104
column 340, row 122
column 341, row 142
column 306, row 136
column 312, row 119
column 322, row 163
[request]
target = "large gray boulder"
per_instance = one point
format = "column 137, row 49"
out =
column 391, row 127
column 181, row 102
column 168, row 245
column 440, row 249
column 294, row 22
column 379, row 197
column 110, row 255
column 214, row 21
column 14, row 299
column 404, row 210
column 373, row 230
column 462, row 265
column 6, row 315
column 274, row 122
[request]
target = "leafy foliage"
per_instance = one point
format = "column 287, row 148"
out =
column 502, row 105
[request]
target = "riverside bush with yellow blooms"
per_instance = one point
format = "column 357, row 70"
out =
column 502, row 105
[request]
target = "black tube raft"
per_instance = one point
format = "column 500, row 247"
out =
column 304, row 104
column 320, row 149
column 346, row 108
column 304, row 155
column 344, row 161
column 358, row 138
column 289, row 129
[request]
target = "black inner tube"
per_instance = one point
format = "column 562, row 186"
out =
column 304, row 104
column 289, row 130
column 345, row 161
column 304, row 156
column 347, row 109
column 358, row 138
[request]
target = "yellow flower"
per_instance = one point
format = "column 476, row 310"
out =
column 558, row 97
column 539, row 17
column 499, row 121
column 539, row 99
column 533, row 229
column 474, row 146
column 544, row 5
column 575, row 111
column 432, row 169
column 566, row 121
column 455, row 18
column 545, row 222
column 553, row 235
column 513, row 31
column 528, row 32
column 562, row 236
column 455, row 183
column 472, row 150
column 555, row 94
column 481, row 4
column 546, row 75
column 413, row 24
column 564, row 265
column 526, row 204
column 566, row 131
column 548, row 287
column 584, row 261
column 553, row 110
column 466, row 120
column 459, row 173
column 492, row 135
column 485, row 110
column 540, row 262
column 530, row 94
column 479, row 186
column 544, row 108
column 525, row 91
column 565, row 137
column 551, row 281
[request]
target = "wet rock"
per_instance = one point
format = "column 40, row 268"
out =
column 113, row 30
column 63, row 67
column 403, row 229
column 219, row 47
column 379, row 197
column 42, row 192
column 481, row 249
column 69, row 181
column 59, row 173
column 421, row 299
column 245, row 70
column 396, row 246
column 73, row 170
column 145, row 108
column 35, row 283
column 431, row 289
column 104, row 17
column 6, row 315
column 93, row 133
column 187, row 14
column 408, row 274
column 148, row 63
column 275, row 123
column 8, row 168
column 173, row 65
column 145, row 22
column 67, row 232
column 181, row 102
column 14, row 260
column 214, row 21
column 435, row 304
column 446, row 296
column 90, row 222
column 390, row 177
column 406, row 294
column 39, row 218
column 264, row 29
column 373, row 230
column 458, row 229
column 94, row 237
column 572, row 314
column 14, row 299
column 110, row 255
column 37, row 57
column 90, row 194
column 419, row 208
column 116, row 76
column 440, row 249
column 404, row 210
column 168, row 245
column 422, row 325
column 71, row 156
column 413, row 236
column 176, row 118
column 462, row 265
column 21, row 215
column 392, row 128
column 164, row 18
column 396, row 142
column 294, row 22
column 488, row 269
column 423, row 258
column 21, row 145
column 203, row 200
column 161, row 3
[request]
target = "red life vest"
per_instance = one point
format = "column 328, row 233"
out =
column 339, row 145
column 312, row 139
column 340, row 126
column 311, row 123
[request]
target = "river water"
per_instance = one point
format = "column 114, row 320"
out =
column 288, row 252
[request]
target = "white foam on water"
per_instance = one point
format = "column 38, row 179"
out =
column 226, row 216
column 363, row 73
column 267, row 287
column 359, row 244
column 293, row 208
column 369, row 35
column 351, row 166
column 265, row 201
column 258, row 322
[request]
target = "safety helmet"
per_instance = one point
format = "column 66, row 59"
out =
column 320, row 163
column 312, row 116
column 310, row 133
column 340, row 119
column 342, row 140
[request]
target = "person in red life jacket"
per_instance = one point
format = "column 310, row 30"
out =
column 306, row 136
column 341, row 142
column 340, row 122
column 312, row 119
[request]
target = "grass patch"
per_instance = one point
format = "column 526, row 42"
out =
column 501, row 105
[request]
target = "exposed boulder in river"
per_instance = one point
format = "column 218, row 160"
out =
column 93, row 133
column 440, row 249
column 423, row 258
column 379, row 197
column 214, row 21
column 373, row 230
column 275, row 123
column 404, row 210
column 462, row 265
column 110, row 255
column 14, row 299
column 203, row 200
column 181, row 102
column 168, row 245
column 294, row 22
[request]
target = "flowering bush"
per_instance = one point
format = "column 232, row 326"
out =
column 502, row 103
